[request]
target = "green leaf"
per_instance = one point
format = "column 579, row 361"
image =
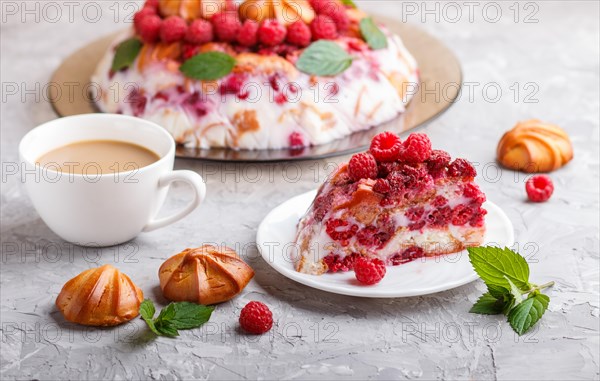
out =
column 208, row 66
column 372, row 34
column 515, row 292
column 497, row 291
column 166, row 328
column 147, row 309
column 525, row 315
column 167, row 313
column 190, row 315
column 126, row 53
column 488, row 305
column 495, row 266
column 349, row 3
column 324, row 58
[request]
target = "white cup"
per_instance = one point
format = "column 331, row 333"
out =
column 110, row 208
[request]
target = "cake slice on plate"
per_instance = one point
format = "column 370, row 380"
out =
column 397, row 202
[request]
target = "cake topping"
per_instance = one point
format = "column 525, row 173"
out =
column 173, row 29
column 199, row 32
column 461, row 168
column 226, row 26
column 362, row 166
column 539, row 188
column 386, row 147
column 248, row 35
column 271, row 33
column 534, row 146
column 299, row 34
column 323, row 27
column 416, row 148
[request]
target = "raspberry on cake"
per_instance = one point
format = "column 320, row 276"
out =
column 397, row 203
column 232, row 101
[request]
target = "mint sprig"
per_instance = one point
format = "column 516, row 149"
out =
column 175, row 316
column 349, row 3
column 208, row 66
column 324, row 58
column 372, row 34
column 506, row 275
column 126, row 53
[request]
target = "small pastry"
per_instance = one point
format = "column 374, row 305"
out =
column 206, row 275
column 534, row 146
column 102, row 296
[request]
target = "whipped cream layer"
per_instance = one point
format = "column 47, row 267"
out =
column 266, row 103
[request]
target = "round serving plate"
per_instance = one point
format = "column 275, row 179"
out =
column 277, row 232
column 438, row 67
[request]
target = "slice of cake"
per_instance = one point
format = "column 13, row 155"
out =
column 264, row 75
column 398, row 202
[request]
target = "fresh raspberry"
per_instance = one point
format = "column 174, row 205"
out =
column 461, row 214
column 271, row 32
column 472, row 191
column 461, row 168
column 173, row 29
column 256, row 318
column 539, row 188
column 362, row 166
column 320, row 5
column 369, row 271
column 323, row 28
column 149, row 28
column 408, row 255
column 386, row 146
column 296, row 140
column 340, row 230
column 248, row 34
column 382, row 186
column 137, row 18
column 199, row 32
column 299, row 34
column 338, row 14
column 414, row 214
column 226, row 26
column 416, row 148
column 438, row 160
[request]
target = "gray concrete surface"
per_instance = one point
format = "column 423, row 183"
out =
column 548, row 50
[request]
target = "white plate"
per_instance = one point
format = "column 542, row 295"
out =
column 277, row 231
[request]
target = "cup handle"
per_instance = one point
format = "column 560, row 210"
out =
column 197, row 184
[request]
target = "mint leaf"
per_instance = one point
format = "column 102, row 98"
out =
column 495, row 266
column 525, row 315
column 208, row 66
column 349, row 3
column 497, row 291
column 515, row 292
column 372, row 34
column 488, row 305
column 166, row 328
column 190, row 315
column 324, row 58
column 126, row 53
column 180, row 315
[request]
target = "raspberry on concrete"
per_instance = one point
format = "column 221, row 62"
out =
column 386, row 146
column 369, row 271
column 199, row 32
column 362, row 166
column 256, row 318
column 271, row 32
column 539, row 188
column 173, row 29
